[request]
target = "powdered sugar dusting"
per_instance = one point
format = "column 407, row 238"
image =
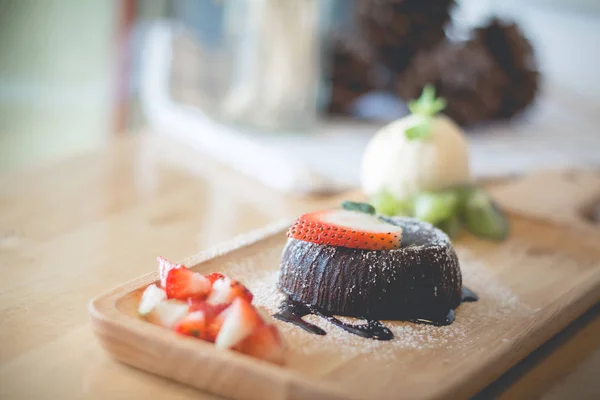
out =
column 479, row 278
column 498, row 305
column 260, row 271
column 489, row 269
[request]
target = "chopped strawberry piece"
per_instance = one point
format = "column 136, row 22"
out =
column 168, row 313
column 150, row 298
column 215, row 276
column 264, row 343
column 236, row 323
column 345, row 228
column 194, row 324
column 214, row 327
column 164, row 266
column 239, row 290
column 225, row 290
column 210, row 310
column 183, row 283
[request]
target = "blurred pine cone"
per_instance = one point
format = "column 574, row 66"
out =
column 465, row 74
column 397, row 29
column 489, row 76
column 514, row 53
column 351, row 72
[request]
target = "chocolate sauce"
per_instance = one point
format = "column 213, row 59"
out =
column 442, row 320
column 373, row 329
column 292, row 311
column 468, row 295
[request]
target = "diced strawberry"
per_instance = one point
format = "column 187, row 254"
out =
column 150, row 298
column 237, row 322
column 239, row 290
column 210, row 310
column 213, row 328
column 264, row 343
column 346, row 228
column 215, row 276
column 164, row 266
column 183, row 283
column 225, row 290
column 168, row 313
column 194, row 324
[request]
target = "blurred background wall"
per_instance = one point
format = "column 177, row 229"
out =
column 62, row 88
column 55, row 78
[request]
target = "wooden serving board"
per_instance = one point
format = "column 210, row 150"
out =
column 531, row 286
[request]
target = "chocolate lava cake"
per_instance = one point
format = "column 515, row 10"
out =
column 420, row 280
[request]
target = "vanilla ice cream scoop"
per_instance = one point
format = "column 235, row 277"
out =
column 402, row 163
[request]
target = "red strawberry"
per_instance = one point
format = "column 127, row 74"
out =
column 345, row 228
column 194, row 324
column 213, row 328
column 168, row 313
column 182, row 283
column 215, row 276
column 236, row 323
column 150, row 298
column 264, row 343
column 225, row 290
column 210, row 310
column 164, row 266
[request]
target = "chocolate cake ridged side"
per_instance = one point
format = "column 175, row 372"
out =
column 411, row 282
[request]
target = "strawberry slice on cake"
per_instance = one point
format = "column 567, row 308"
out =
column 345, row 228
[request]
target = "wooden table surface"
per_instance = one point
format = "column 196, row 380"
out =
column 76, row 228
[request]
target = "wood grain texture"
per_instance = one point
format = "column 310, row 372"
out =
column 551, row 263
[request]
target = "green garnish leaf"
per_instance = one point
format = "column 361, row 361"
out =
column 359, row 207
column 419, row 130
column 483, row 217
column 425, row 107
column 435, row 207
column 451, row 226
column 386, row 204
column 450, row 209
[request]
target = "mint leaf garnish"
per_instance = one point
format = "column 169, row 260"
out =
column 419, row 130
column 425, row 107
column 359, row 207
column 483, row 217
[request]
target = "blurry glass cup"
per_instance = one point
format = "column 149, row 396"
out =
column 274, row 50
